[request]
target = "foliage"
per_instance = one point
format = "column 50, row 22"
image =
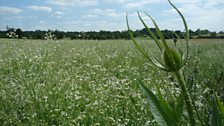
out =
column 19, row 33
column 105, row 35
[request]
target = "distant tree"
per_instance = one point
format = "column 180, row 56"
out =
column 198, row 32
column 213, row 35
column 221, row 32
column 117, row 35
column 167, row 34
column 59, row 34
column 192, row 33
column 19, row 33
column 102, row 35
column 3, row 34
column 125, row 35
column 204, row 32
column 179, row 33
column 38, row 34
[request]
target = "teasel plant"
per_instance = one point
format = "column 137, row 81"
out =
column 173, row 60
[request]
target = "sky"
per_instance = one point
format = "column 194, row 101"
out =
column 95, row 15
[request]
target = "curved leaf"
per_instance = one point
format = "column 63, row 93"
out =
column 151, row 33
column 160, row 65
column 135, row 42
column 216, row 116
column 159, row 32
column 186, row 28
column 167, row 109
column 179, row 108
column 155, row 107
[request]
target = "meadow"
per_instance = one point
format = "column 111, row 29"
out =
column 90, row 82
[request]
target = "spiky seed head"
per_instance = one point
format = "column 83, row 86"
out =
column 172, row 58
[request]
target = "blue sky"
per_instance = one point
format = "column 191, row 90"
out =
column 95, row 15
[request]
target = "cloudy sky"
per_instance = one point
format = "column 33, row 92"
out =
column 95, row 15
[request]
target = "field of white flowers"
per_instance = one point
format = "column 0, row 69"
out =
column 87, row 82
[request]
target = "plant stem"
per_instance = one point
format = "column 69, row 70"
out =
column 186, row 95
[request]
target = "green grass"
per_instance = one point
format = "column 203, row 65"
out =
column 85, row 82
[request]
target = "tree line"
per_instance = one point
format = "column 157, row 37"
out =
column 103, row 35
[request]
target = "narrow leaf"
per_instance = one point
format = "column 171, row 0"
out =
column 154, row 106
column 160, row 65
column 151, row 33
column 186, row 27
column 158, row 32
column 221, row 106
column 167, row 109
column 179, row 107
column 135, row 42
column 216, row 117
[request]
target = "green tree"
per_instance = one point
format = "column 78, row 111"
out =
column 213, row 35
column 19, row 33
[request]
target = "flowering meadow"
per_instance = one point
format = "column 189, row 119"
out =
column 93, row 83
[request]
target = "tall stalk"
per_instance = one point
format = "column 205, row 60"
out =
column 186, row 95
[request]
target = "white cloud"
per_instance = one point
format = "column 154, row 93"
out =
column 213, row 3
column 207, row 19
column 106, row 12
column 20, row 18
column 140, row 3
column 111, row 13
column 40, row 8
column 187, row 1
column 90, row 16
column 58, row 14
column 135, row 4
column 171, row 11
column 117, row 1
column 41, row 22
column 9, row 10
column 202, row 15
column 96, row 11
column 73, row 2
column 96, row 25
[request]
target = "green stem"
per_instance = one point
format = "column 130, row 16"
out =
column 186, row 95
